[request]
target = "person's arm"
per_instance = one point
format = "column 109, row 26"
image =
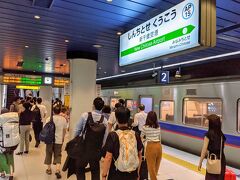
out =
column 80, row 126
column 140, row 162
column 135, row 121
column 106, row 165
column 45, row 112
column 106, row 132
column 64, row 130
column 111, row 121
column 204, row 152
column 11, row 109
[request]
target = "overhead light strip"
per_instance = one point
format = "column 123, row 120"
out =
column 171, row 65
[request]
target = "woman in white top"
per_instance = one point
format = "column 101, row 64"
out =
column 151, row 133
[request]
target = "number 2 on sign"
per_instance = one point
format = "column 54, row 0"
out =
column 164, row 77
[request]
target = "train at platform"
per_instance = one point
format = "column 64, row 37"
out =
column 182, row 110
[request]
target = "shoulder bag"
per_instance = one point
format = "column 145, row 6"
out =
column 214, row 164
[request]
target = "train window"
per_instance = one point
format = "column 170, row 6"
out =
column 238, row 116
column 167, row 110
column 196, row 110
column 147, row 101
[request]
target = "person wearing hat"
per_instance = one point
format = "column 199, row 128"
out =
column 139, row 119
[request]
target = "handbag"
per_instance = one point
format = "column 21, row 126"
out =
column 214, row 164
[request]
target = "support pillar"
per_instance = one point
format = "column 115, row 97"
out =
column 82, row 88
column 46, row 94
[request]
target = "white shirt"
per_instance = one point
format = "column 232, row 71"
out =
column 140, row 120
column 112, row 118
column 43, row 110
column 60, row 125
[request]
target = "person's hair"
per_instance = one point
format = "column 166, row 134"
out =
column 122, row 115
column 16, row 98
column 34, row 99
column 56, row 110
column 63, row 109
column 121, row 101
column 117, row 105
column 141, row 107
column 214, row 125
column 106, row 109
column 22, row 101
column 27, row 106
column 28, row 98
column 39, row 100
column 152, row 120
column 98, row 103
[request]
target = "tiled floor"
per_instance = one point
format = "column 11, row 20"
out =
column 31, row 167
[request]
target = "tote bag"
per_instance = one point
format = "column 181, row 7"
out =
column 214, row 164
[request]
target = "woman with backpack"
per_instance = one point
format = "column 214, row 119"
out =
column 123, row 141
column 214, row 146
column 25, row 119
column 151, row 135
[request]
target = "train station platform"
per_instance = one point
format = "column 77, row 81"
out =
column 175, row 165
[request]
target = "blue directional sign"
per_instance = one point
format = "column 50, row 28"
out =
column 164, row 77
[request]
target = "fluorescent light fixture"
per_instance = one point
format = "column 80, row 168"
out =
column 26, row 46
column 119, row 33
column 97, row 45
column 109, row 0
column 228, row 38
column 37, row 17
column 171, row 65
column 66, row 40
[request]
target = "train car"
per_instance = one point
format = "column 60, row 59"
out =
column 182, row 111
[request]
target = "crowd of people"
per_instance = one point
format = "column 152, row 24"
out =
column 32, row 114
column 130, row 148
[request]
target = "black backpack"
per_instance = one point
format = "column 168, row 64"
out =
column 47, row 134
column 36, row 115
column 94, row 137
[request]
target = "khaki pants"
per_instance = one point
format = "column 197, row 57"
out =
column 55, row 151
column 153, row 156
column 24, row 137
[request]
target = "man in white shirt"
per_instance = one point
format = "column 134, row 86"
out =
column 140, row 118
column 38, row 119
column 96, row 114
column 55, row 149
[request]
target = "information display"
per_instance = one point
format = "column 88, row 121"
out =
column 22, row 79
column 174, row 30
column 147, row 102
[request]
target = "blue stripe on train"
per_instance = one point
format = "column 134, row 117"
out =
column 198, row 133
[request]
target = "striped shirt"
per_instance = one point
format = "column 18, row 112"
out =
column 151, row 134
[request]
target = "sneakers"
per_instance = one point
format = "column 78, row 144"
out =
column 26, row 152
column 49, row 171
column 58, row 175
column 19, row 153
column 37, row 144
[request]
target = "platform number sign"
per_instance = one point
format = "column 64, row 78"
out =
column 164, row 77
column 188, row 11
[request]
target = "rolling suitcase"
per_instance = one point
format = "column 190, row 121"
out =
column 230, row 175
